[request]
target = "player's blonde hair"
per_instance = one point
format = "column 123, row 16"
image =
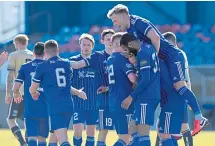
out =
column 116, row 35
column 21, row 38
column 120, row 8
column 88, row 37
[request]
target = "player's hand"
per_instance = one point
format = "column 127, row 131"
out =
column 127, row 54
column 127, row 102
column 102, row 89
column 17, row 97
column 82, row 94
column 7, row 99
column 132, row 59
column 3, row 57
column 35, row 95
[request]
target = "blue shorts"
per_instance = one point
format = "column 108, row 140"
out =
column 37, row 127
column 121, row 122
column 58, row 121
column 90, row 117
column 171, row 117
column 177, row 68
column 105, row 119
column 145, row 112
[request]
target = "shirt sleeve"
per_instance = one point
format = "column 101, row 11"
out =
column 21, row 75
column 126, row 66
column 38, row 74
column 93, row 60
column 143, row 26
column 144, row 64
column 11, row 63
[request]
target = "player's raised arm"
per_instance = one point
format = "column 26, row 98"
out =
column 147, row 30
column 3, row 58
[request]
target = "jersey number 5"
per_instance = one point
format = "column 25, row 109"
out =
column 111, row 74
column 61, row 80
column 155, row 58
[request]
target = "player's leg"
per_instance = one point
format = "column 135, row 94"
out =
column 157, row 142
column 32, row 129
column 14, row 112
column 43, row 131
column 185, row 130
column 92, row 118
column 59, row 124
column 121, row 125
column 176, row 67
column 78, row 126
column 52, row 139
column 133, row 132
column 145, row 112
column 105, row 124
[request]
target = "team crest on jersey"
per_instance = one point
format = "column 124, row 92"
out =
column 128, row 65
column 143, row 62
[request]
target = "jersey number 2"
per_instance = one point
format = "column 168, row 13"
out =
column 61, row 80
column 111, row 74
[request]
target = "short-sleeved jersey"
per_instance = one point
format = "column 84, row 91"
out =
column 25, row 75
column 147, row 60
column 120, row 86
column 55, row 75
column 98, row 62
column 140, row 27
column 86, row 78
column 18, row 58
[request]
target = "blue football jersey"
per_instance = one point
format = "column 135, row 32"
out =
column 120, row 86
column 25, row 75
column 98, row 62
column 140, row 27
column 147, row 65
column 87, row 78
column 55, row 74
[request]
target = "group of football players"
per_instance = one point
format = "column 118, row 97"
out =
column 119, row 87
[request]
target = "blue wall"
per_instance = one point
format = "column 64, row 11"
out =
column 88, row 13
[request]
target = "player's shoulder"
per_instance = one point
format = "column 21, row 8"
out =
column 28, row 51
column 75, row 58
column 137, row 19
column 147, row 48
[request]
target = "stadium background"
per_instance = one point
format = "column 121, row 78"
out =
column 193, row 23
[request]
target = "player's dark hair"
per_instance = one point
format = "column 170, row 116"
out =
column 51, row 46
column 105, row 32
column 126, row 38
column 170, row 36
column 39, row 49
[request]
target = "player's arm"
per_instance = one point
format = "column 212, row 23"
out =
column 147, row 30
column 10, row 78
column 17, row 84
column 92, row 61
column 36, row 82
column 145, row 69
column 3, row 58
column 80, row 93
column 78, row 64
